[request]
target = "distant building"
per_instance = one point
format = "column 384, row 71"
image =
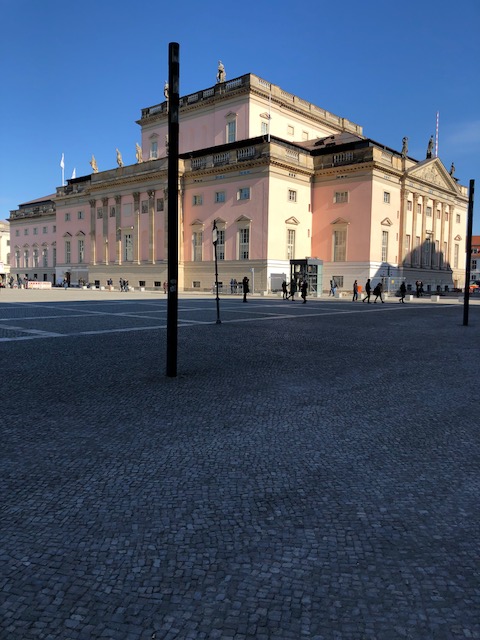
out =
column 475, row 260
column 293, row 189
column 4, row 252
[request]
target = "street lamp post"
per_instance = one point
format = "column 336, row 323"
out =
column 215, row 240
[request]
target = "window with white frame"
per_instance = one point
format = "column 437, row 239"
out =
column 458, row 218
column 474, row 265
column 339, row 245
column 219, row 196
column 81, row 250
column 35, row 231
column 25, row 232
column 128, row 247
column 80, row 215
column 409, row 205
column 160, row 204
column 26, row 258
column 221, row 244
column 419, row 208
column 244, row 243
column 68, row 252
column 340, row 196
column 384, row 246
column 429, row 212
column 292, row 195
column 231, row 130
column 17, row 232
column 197, row 200
column 35, row 258
column 45, row 257
column 386, row 197
column 153, row 149
column 243, row 193
column 197, row 246
column 17, row 259
column 264, row 130
column 67, row 217
column 290, row 244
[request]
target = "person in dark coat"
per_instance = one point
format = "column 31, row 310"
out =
column 303, row 290
column 377, row 292
column 355, row 291
column 293, row 289
column 403, row 291
column 246, row 288
column 368, row 289
column 284, row 289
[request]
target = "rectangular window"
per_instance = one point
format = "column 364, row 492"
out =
column 45, row 230
column 386, row 197
column 384, row 246
column 221, row 244
column 409, row 205
column 439, row 214
column 144, row 206
column 197, row 246
column 231, row 131
column 219, row 196
column 290, row 130
column 128, row 247
column 17, row 232
column 458, row 218
column 80, row 215
column 154, row 149
column 339, row 245
column 264, row 130
column 446, row 216
column 100, row 212
column 35, row 258
column 340, row 196
column 243, row 194
column 419, row 208
column 160, row 204
column 26, row 257
column 81, row 251
column 17, row 259
column 197, row 200
column 68, row 252
column 25, row 232
column 429, row 212
column 67, row 217
column 45, row 257
column 292, row 195
column 456, row 250
column 54, row 229
column 243, row 244
column 290, row 244
column 474, row 265
column 35, row 231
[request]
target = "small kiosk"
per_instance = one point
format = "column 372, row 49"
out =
column 312, row 270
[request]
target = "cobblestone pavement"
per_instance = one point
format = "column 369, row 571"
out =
column 312, row 476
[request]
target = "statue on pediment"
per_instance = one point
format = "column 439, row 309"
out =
column 93, row 164
column 165, row 90
column 452, row 170
column 221, row 75
column 119, row 158
column 138, row 153
column 404, row 147
column 430, row 148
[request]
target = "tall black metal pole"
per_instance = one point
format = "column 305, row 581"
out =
column 173, row 109
column 215, row 241
column 469, row 252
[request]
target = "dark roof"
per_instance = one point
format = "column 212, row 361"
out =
column 39, row 200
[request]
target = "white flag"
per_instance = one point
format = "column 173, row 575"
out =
column 74, row 174
column 62, row 163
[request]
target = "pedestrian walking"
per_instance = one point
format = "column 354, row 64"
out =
column 246, row 288
column 368, row 289
column 403, row 291
column 284, row 289
column 293, row 289
column 355, row 291
column 303, row 291
column 377, row 292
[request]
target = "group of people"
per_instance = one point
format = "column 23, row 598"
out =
column 377, row 292
column 289, row 292
column 123, row 284
column 233, row 285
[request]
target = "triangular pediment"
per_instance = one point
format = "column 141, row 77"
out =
column 386, row 222
column 80, row 233
column 243, row 219
column 197, row 223
column 457, row 238
column 67, row 235
column 434, row 173
column 340, row 221
column 291, row 220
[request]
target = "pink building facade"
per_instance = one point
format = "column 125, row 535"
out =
column 284, row 180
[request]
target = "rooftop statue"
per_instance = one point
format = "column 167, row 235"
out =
column 138, row 152
column 404, row 147
column 221, row 75
column 165, row 89
column 119, row 158
column 93, row 163
column 430, row 147
column 452, row 170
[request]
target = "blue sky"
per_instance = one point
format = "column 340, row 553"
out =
column 75, row 76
